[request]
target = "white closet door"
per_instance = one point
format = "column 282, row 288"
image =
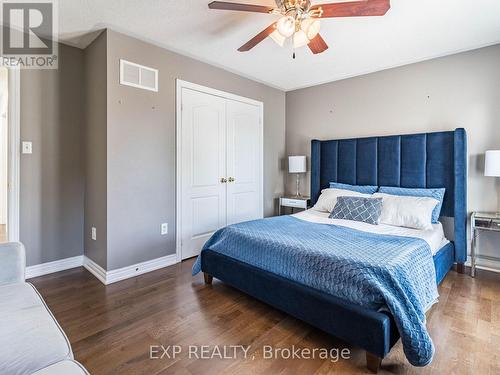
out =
column 244, row 163
column 203, row 164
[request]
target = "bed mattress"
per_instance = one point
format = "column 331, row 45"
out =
column 435, row 237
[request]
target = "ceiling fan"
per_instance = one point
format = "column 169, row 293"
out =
column 300, row 19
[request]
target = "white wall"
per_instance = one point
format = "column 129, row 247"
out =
column 3, row 144
column 461, row 90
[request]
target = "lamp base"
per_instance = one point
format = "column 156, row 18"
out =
column 297, row 191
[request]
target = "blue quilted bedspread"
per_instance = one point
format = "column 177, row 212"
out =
column 367, row 269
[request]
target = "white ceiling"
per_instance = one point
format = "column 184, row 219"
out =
column 413, row 30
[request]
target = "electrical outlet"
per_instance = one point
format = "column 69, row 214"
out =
column 94, row 234
column 27, row 148
column 164, row 229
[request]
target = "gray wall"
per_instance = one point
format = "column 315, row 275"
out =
column 95, row 144
column 52, row 178
column 104, row 154
column 462, row 90
column 141, row 147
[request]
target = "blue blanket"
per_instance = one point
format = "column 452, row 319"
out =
column 367, row 269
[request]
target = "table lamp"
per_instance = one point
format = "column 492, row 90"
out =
column 297, row 165
column 492, row 163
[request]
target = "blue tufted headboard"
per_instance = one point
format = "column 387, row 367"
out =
column 414, row 161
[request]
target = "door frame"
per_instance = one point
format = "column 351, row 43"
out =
column 14, row 153
column 180, row 84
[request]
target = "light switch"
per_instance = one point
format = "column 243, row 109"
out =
column 27, row 147
column 93, row 233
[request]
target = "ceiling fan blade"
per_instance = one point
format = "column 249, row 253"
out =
column 258, row 38
column 354, row 8
column 317, row 45
column 223, row 5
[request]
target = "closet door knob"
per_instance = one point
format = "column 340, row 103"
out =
column 231, row 179
column 223, row 180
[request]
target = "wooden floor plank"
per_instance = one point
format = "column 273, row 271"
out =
column 3, row 233
column 112, row 327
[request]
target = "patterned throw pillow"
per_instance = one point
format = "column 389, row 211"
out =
column 367, row 210
column 436, row 193
column 365, row 189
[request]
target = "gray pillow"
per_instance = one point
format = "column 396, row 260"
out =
column 367, row 210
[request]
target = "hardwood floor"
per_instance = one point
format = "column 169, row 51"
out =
column 111, row 328
column 3, row 233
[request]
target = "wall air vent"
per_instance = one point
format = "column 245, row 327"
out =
column 139, row 76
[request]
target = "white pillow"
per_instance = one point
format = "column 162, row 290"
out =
column 328, row 198
column 407, row 211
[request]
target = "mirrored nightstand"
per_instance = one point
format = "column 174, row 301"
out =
column 489, row 221
column 294, row 202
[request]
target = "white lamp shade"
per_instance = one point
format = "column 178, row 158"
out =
column 300, row 39
column 311, row 27
column 297, row 164
column 492, row 163
column 286, row 26
column 278, row 38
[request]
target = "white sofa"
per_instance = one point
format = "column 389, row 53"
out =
column 31, row 340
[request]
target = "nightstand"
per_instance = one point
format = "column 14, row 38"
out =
column 489, row 221
column 294, row 202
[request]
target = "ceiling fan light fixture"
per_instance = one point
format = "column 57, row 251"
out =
column 300, row 39
column 311, row 27
column 300, row 19
column 278, row 38
column 286, row 26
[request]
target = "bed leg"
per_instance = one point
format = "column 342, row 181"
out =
column 373, row 362
column 208, row 278
column 460, row 268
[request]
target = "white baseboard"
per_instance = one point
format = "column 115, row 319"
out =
column 487, row 264
column 56, row 266
column 109, row 277
column 106, row 277
column 95, row 269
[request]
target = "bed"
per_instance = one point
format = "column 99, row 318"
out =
column 413, row 161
